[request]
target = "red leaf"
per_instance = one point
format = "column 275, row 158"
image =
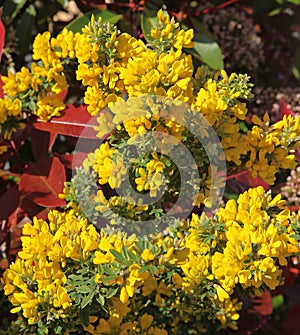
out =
column 29, row 207
column 76, row 122
column 39, row 143
column 255, row 315
column 9, row 202
column 2, row 37
column 284, row 110
column 254, row 182
column 73, row 160
column 63, row 94
column 52, row 140
column 245, row 178
column 43, row 215
column 43, row 181
column 22, row 133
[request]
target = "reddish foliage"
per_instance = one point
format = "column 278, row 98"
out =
column 2, row 37
column 22, row 133
column 9, row 202
column 52, row 138
column 241, row 181
column 256, row 313
column 248, row 179
column 40, row 142
column 284, row 110
column 76, row 122
column 73, row 160
column 43, row 181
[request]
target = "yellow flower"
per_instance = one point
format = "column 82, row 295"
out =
column 142, row 181
column 48, row 106
column 147, row 255
column 84, row 50
column 168, row 33
column 127, row 46
column 64, row 44
column 221, row 293
column 42, row 50
column 88, row 74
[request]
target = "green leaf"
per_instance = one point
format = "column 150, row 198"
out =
column 243, row 127
column 80, row 22
column 150, row 8
column 144, row 268
column 277, row 301
column 119, row 257
column 148, row 23
column 295, row 236
column 101, row 300
column 58, row 329
column 24, row 30
column 112, row 292
column 87, row 299
column 12, row 8
column 207, row 50
column 108, row 278
column 84, row 289
column 108, row 270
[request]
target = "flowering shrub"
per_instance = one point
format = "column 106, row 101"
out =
column 70, row 277
column 154, row 256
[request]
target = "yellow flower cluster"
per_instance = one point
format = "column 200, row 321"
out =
column 105, row 282
column 271, row 148
column 36, row 90
column 101, row 53
column 151, row 177
column 10, row 108
column 258, row 235
column 115, row 63
column 218, row 101
column 188, row 274
column 107, row 164
column 36, row 282
column 168, row 34
column 143, row 326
